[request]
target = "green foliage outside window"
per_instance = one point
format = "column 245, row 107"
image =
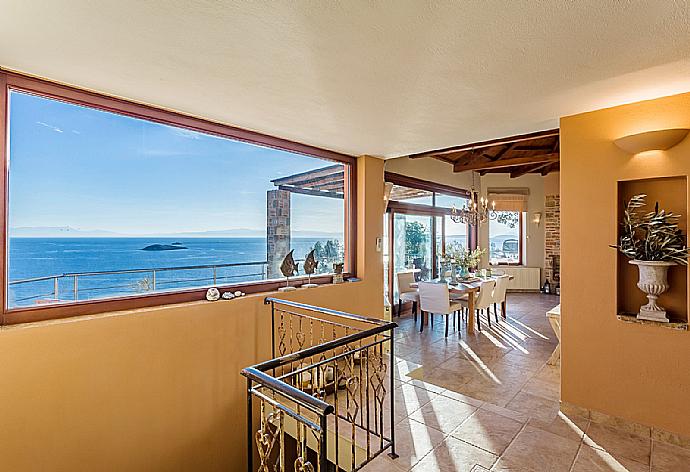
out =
column 416, row 238
column 328, row 253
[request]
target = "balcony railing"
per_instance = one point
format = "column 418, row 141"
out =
column 325, row 401
column 88, row 285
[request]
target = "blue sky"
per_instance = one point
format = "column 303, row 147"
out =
column 88, row 169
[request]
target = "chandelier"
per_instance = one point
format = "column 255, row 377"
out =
column 474, row 212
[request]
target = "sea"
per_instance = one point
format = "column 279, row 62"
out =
column 31, row 258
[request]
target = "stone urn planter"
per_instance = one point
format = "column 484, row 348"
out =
column 653, row 282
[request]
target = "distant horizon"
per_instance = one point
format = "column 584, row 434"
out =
column 70, row 232
column 167, row 237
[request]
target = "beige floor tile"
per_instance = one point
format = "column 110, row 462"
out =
column 408, row 399
column 427, row 356
column 397, row 383
column 499, row 410
column 537, row 450
column 383, row 463
column 489, row 431
column 403, row 367
column 537, row 407
column 453, row 455
column 443, row 414
column 405, row 349
column 413, row 441
column 539, row 352
column 590, row 459
column 525, row 363
column 441, row 377
column 543, row 389
column 618, row 443
column 465, row 367
column 426, row 386
column 485, row 351
column 670, row 458
column 492, row 391
column 572, row 428
column 509, row 374
column 620, row 423
column 463, row 398
column 549, row 374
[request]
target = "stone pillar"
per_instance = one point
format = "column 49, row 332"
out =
column 552, row 236
column 277, row 230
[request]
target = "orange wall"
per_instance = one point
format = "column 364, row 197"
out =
column 157, row 389
column 637, row 372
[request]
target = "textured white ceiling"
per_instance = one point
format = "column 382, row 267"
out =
column 385, row 78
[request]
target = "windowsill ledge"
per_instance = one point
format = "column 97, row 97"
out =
column 157, row 308
column 674, row 324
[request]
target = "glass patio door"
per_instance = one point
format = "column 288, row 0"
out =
column 412, row 247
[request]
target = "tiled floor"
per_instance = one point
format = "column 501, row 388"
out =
column 490, row 402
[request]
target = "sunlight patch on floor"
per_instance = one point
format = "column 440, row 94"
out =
column 512, row 342
column 533, row 331
column 493, row 339
column 479, row 362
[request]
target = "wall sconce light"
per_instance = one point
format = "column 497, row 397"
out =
column 659, row 140
column 536, row 218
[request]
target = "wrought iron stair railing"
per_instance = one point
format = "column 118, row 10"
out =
column 325, row 401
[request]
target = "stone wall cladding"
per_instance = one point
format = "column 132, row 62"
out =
column 277, row 230
column 552, row 235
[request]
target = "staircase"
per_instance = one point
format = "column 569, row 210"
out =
column 324, row 401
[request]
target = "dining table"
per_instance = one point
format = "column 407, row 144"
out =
column 467, row 287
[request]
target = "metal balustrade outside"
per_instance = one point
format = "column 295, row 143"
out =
column 325, row 400
column 152, row 281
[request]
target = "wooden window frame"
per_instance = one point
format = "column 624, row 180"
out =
column 521, row 246
column 12, row 81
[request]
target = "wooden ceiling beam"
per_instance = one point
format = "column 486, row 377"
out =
column 489, row 143
column 527, row 169
column 556, row 166
column 465, row 158
column 502, row 151
column 532, row 148
column 504, row 163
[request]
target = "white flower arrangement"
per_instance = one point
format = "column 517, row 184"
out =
column 459, row 255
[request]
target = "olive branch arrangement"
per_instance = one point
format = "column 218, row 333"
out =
column 651, row 236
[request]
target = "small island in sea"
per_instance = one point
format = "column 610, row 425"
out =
column 164, row 247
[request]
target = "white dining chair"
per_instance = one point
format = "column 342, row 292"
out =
column 406, row 293
column 482, row 301
column 435, row 298
column 499, row 295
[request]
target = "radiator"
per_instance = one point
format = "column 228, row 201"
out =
column 524, row 278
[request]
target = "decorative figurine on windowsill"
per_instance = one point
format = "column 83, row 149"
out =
column 212, row 294
column 310, row 265
column 289, row 268
column 338, row 275
column 231, row 295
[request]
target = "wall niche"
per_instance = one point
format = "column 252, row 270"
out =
column 671, row 193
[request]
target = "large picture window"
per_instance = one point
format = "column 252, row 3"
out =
column 506, row 229
column 505, row 238
column 106, row 205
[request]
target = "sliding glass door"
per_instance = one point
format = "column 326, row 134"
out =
column 412, row 246
column 418, row 229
